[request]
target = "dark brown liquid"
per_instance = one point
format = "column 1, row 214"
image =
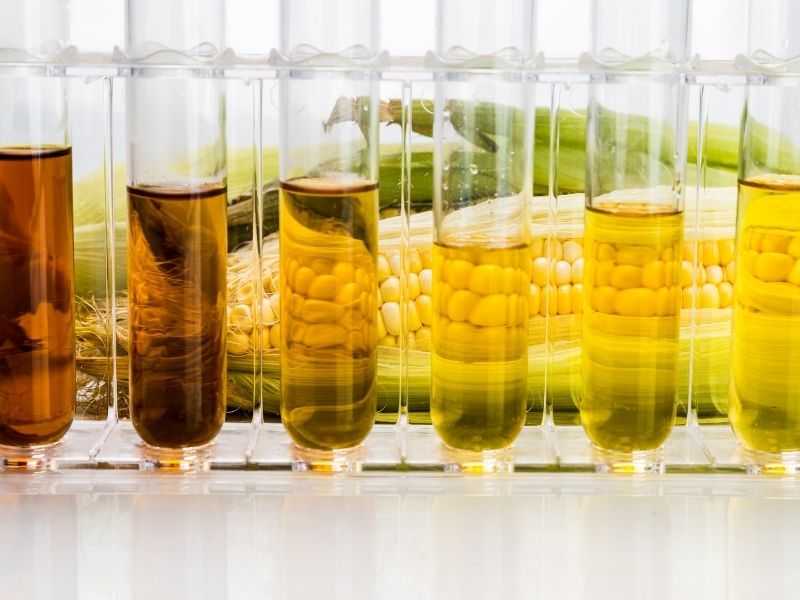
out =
column 37, row 328
column 177, row 242
column 328, row 244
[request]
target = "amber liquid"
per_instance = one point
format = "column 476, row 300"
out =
column 37, row 328
column 631, row 322
column 479, row 363
column 765, row 392
column 177, row 252
column 328, row 245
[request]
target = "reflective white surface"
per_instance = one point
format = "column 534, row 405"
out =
column 280, row 535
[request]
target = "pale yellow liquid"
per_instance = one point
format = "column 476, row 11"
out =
column 328, row 246
column 765, row 393
column 479, row 367
column 629, row 356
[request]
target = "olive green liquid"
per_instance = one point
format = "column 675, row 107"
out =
column 328, row 251
column 479, row 363
column 631, row 322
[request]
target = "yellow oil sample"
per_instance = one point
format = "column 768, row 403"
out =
column 328, row 249
column 765, row 395
column 480, row 343
column 631, row 307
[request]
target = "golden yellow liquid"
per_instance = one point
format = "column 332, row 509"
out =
column 479, row 363
column 631, row 320
column 765, row 395
column 177, row 270
column 328, row 251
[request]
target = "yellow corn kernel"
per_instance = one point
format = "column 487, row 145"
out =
column 412, row 286
column 460, row 305
column 324, row 287
column 291, row 272
column 390, row 289
column 554, row 250
column 577, row 271
column 425, row 257
column 349, row 293
column 395, row 262
column 275, row 335
column 710, row 253
column 345, row 272
column 794, row 274
column 444, row 296
column 572, row 251
column 245, row 293
column 426, row 281
column 603, row 299
column 636, row 302
column 774, row 243
column 793, row 248
column 383, row 268
column 689, row 250
column 773, row 266
column 606, row 252
column 749, row 259
column 268, row 315
column 458, row 273
column 321, row 311
column 726, row 251
column 488, row 311
column 512, row 278
column 539, row 271
column 275, row 302
column 537, row 247
column 379, row 296
column 241, row 318
column 424, row 309
column 686, row 277
column 637, row 256
column 562, row 272
column 664, row 302
column 577, row 298
column 297, row 329
column 303, row 280
column 725, row 294
column 709, row 297
column 534, row 298
column 714, row 274
column 687, row 297
column 730, row 271
column 389, row 341
column 486, row 279
column 414, row 261
column 668, row 255
column 412, row 317
column 260, row 338
column 379, row 326
column 322, row 266
column 605, row 269
column 754, row 240
column 237, row 343
column 390, row 311
column 653, row 274
column 626, row 276
column 564, row 299
column 513, row 316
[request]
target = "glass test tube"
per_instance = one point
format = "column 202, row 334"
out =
column 37, row 356
column 632, row 241
column 177, row 235
column 481, row 251
column 328, row 226
column 764, row 407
